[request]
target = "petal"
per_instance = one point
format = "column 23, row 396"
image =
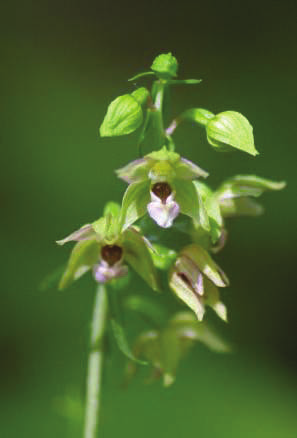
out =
column 185, row 266
column 185, row 169
column 205, row 263
column 84, row 233
column 163, row 214
column 135, row 171
column 182, row 289
column 103, row 272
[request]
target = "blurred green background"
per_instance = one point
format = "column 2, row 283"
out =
column 61, row 64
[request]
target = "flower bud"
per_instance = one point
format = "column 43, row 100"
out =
column 231, row 129
column 141, row 95
column 124, row 115
column 165, row 66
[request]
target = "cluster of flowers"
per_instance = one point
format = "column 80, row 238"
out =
column 163, row 185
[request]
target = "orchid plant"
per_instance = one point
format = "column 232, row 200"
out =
column 165, row 191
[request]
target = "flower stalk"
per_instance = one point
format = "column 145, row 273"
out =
column 95, row 364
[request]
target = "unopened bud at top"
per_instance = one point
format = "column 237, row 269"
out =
column 165, row 66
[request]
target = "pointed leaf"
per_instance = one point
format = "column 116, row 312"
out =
column 120, row 337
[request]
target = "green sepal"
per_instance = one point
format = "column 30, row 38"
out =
column 231, row 129
column 164, row 154
column 212, row 207
column 141, row 75
column 135, row 200
column 240, row 207
column 247, row 185
column 124, row 115
column 138, row 256
column 165, row 66
column 197, row 115
column 206, row 264
column 135, row 171
column 122, row 342
column 112, row 208
column 162, row 256
column 141, row 95
column 191, row 204
column 186, row 294
column 187, row 326
column 83, row 257
column 212, row 299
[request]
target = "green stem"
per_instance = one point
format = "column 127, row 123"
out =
column 158, row 97
column 95, row 365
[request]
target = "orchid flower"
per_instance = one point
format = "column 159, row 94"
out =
column 161, row 183
column 103, row 248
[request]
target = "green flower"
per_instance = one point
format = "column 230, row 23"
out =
column 195, row 279
column 103, row 248
column 165, row 348
column 161, row 184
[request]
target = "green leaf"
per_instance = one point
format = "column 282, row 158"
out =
column 137, row 255
column 141, row 75
column 84, row 256
column 124, row 115
column 231, row 129
column 247, row 185
column 135, row 200
column 120, row 337
column 190, row 203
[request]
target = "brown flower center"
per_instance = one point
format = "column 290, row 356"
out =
column 162, row 190
column 111, row 254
